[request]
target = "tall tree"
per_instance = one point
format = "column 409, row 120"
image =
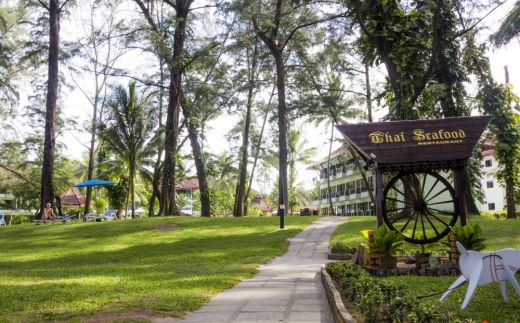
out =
column 328, row 105
column 54, row 9
column 278, row 25
column 131, row 134
column 178, row 59
column 174, row 53
column 251, row 64
column 496, row 100
column 99, row 49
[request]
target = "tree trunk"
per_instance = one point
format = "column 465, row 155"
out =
column 156, row 193
column 258, row 149
column 47, row 189
column 368, row 93
column 57, row 198
column 132, row 188
column 282, row 133
column 205, row 207
column 331, row 206
column 172, row 119
column 240, row 196
column 510, row 198
column 91, row 155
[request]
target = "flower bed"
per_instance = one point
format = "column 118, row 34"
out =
column 379, row 300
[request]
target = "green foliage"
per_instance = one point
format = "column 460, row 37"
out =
column 254, row 211
column 131, row 136
column 494, row 215
column 425, row 248
column 340, row 247
column 470, row 236
column 117, row 194
column 380, row 300
column 483, row 306
column 386, row 241
column 496, row 100
column 169, row 265
column 100, row 205
column 221, row 202
column 510, row 27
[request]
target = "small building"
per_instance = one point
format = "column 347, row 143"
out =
column 260, row 202
column 72, row 198
column 348, row 192
column 494, row 193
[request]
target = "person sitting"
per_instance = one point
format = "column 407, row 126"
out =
column 48, row 214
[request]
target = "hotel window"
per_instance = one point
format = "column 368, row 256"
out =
column 488, row 163
column 491, row 206
column 490, row 184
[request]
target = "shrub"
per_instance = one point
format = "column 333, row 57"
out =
column 340, row 247
column 380, row 300
column 470, row 236
column 387, row 242
column 494, row 215
column 100, row 205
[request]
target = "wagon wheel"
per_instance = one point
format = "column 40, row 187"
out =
column 421, row 205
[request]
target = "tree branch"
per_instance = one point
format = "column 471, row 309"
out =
column 44, row 5
column 147, row 15
column 361, row 23
column 434, row 55
column 462, row 32
column 63, row 5
column 9, row 169
column 312, row 23
column 171, row 4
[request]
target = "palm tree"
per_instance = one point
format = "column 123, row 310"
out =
column 131, row 136
column 509, row 29
column 225, row 174
column 330, row 107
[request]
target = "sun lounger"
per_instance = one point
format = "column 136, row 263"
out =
column 62, row 219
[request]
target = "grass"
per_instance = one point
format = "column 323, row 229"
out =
column 487, row 302
column 68, row 273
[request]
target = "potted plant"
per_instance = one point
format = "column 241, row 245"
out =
column 388, row 243
column 468, row 236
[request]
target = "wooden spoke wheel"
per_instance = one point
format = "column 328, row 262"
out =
column 420, row 205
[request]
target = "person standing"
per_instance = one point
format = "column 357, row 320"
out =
column 48, row 214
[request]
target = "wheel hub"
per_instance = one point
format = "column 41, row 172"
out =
column 420, row 206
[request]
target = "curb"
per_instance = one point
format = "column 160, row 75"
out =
column 339, row 312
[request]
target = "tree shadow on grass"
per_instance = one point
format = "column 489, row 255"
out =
column 130, row 264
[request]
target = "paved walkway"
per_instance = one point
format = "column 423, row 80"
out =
column 288, row 289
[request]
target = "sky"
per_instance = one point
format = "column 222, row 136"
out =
column 80, row 110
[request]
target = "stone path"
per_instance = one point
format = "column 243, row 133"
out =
column 288, row 289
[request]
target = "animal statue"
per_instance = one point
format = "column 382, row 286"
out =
column 481, row 268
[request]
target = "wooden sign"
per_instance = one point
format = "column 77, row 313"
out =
column 414, row 141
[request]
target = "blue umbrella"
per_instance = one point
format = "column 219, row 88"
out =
column 94, row 182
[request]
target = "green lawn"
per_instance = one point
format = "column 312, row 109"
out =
column 500, row 234
column 67, row 273
column 486, row 304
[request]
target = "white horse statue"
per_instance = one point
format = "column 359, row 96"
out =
column 481, row 268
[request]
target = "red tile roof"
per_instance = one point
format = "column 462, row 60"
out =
column 72, row 197
column 188, row 184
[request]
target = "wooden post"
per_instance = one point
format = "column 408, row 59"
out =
column 379, row 197
column 460, row 191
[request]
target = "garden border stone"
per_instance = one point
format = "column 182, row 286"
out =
column 339, row 312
